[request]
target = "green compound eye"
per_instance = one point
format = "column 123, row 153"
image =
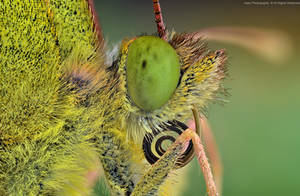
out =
column 153, row 72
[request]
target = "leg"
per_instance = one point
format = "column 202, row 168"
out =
column 149, row 183
column 212, row 148
column 213, row 152
column 116, row 160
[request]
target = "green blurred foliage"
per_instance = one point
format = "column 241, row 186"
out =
column 258, row 131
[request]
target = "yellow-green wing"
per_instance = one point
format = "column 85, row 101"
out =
column 39, row 149
column 29, row 84
column 29, row 69
column 75, row 26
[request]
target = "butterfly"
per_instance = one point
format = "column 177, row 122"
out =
column 64, row 105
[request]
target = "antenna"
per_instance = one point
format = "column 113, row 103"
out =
column 161, row 29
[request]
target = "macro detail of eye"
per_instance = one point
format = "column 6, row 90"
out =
column 152, row 72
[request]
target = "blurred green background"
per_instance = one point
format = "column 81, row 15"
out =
column 258, row 131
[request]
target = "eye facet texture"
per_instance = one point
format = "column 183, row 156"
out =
column 153, row 72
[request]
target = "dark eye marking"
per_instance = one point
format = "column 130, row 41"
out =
column 144, row 64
